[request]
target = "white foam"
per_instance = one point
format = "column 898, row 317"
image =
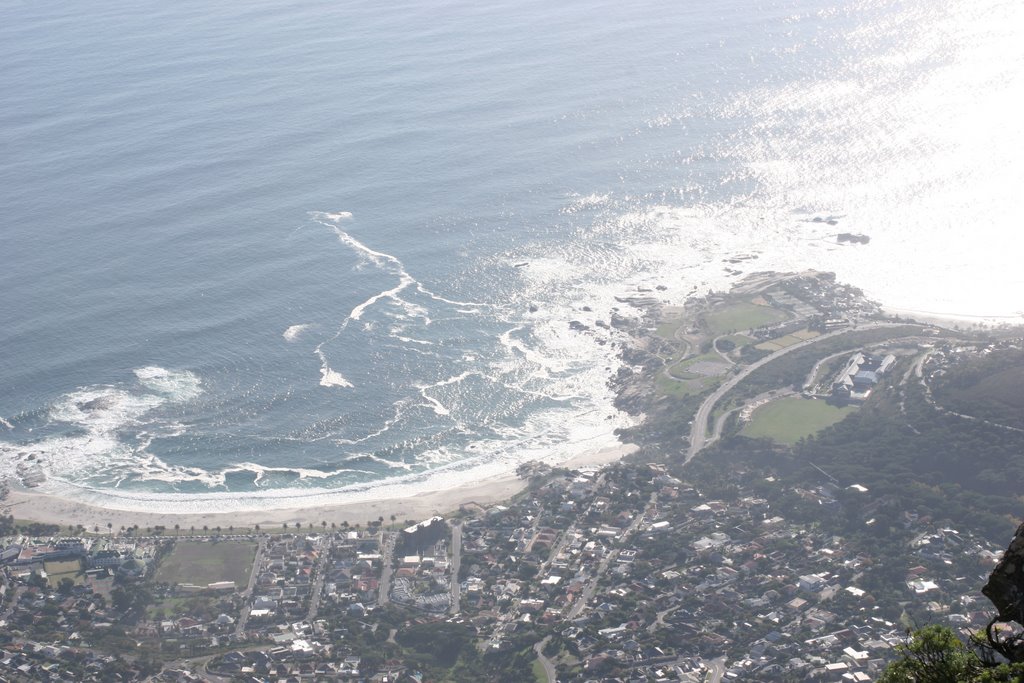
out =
column 177, row 385
column 410, row 340
column 580, row 203
column 293, row 332
column 334, row 217
column 435, row 405
column 103, row 409
column 5, row 423
column 332, row 378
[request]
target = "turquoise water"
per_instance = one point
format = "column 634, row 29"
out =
column 280, row 248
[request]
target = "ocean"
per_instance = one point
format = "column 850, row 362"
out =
column 260, row 252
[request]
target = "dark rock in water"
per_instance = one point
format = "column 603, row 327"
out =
column 533, row 308
column 588, row 309
column 852, row 238
column 578, row 326
column 521, row 265
column 601, row 323
column 661, row 288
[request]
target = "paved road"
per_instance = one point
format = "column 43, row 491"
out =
column 591, row 587
column 318, row 585
column 549, row 668
column 716, row 670
column 384, row 588
column 698, row 431
column 660, row 618
column 456, row 561
column 243, row 617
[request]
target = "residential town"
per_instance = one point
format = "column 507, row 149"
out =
column 628, row 573
column 760, row 560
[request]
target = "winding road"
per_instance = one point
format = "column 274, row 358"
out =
column 698, row 431
column 549, row 668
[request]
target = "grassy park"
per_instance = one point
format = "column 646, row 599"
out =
column 203, row 563
column 790, row 419
column 741, row 316
column 63, row 569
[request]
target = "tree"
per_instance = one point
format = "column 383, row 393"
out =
column 176, row 527
column 933, row 655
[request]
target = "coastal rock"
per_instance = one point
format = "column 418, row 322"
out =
column 852, row 238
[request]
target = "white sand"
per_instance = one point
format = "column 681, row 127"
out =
column 40, row 507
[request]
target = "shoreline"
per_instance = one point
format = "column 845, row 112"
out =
column 951, row 320
column 53, row 509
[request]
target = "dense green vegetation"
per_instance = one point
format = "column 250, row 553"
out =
column 934, row 654
column 985, row 386
column 909, row 455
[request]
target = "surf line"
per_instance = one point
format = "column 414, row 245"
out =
column 328, row 376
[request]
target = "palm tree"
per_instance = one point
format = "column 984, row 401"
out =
column 257, row 527
column 176, row 528
column 323, row 524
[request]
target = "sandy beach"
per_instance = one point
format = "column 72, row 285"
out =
column 41, row 507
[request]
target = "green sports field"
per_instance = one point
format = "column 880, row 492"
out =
column 203, row 563
column 790, row 419
column 741, row 316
